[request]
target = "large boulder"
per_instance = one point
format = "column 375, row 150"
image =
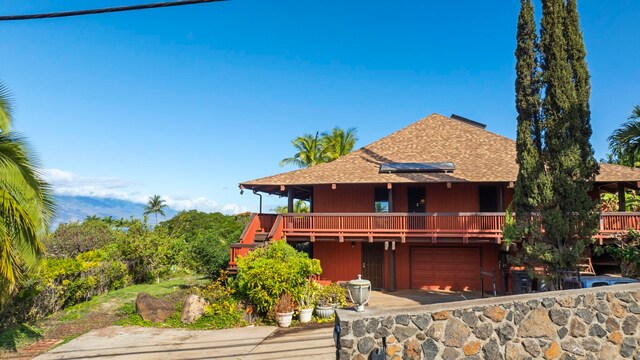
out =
column 192, row 308
column 153, row 309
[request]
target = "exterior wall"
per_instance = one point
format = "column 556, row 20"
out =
column 359, row 198
column 600, row 323
column 489, row 260
column 459, row 198
column 344, row 198
column 339, row 261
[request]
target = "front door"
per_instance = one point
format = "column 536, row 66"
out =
column 373, row 264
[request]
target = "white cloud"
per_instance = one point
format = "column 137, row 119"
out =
column 70, row 184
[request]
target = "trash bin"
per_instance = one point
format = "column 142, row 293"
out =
column 520, row 282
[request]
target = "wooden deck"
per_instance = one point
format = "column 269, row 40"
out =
column 402, row 227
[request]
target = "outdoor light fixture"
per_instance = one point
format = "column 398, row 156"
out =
column 353, row 244
column 359, row 292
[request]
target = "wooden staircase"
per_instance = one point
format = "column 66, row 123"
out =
column 257, row 233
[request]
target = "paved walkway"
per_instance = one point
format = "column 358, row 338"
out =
column 252, row 343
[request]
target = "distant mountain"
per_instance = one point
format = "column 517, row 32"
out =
column 75, row 208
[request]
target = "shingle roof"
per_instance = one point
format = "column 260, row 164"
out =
column 478, row 155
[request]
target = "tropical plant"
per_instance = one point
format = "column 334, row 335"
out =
column 627, row 251
column 318, row 149
column 299, row 206
column 155, row 206
column 332, row 295
column 625, row 141
column 267, row 272
column 338, row 142
column 26, row 205
column 309, row 152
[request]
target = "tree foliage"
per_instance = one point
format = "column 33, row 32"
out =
column 155, row 206
column 317, row 149
column 71, row 239
column 625, row 141
column 26, row 205
column 554, row 188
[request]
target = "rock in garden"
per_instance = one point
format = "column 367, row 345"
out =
column 153, row 309
column 192, row 308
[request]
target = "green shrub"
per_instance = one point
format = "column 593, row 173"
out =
column 266, row 273
column 64, row 282
column 74, row 238
column 332, row 295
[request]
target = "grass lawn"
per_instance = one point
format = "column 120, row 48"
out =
column 114, row 300
column 100, row 311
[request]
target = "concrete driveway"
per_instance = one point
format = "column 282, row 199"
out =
column 261, row 342
column 404, row 298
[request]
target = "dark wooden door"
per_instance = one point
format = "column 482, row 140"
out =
column 373, row 264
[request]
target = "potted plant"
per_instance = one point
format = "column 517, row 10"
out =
column 284, row 310
column 306, row 300
column 324, row 303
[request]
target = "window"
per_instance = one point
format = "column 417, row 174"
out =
column 381, row 200
column 489, row 197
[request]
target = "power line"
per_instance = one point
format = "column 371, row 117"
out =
column 104, row 10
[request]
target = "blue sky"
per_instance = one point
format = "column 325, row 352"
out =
column 189, row 101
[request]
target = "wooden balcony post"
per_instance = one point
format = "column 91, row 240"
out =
column 392, row 267
column 622, row 201
column 290, row 200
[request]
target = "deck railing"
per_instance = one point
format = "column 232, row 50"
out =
column 401, row 225
column 426, row 225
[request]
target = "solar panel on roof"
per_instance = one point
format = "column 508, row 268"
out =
column 427, row 167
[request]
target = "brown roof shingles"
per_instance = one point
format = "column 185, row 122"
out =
column 479, row 156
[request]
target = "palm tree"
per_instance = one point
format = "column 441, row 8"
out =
column 310, row 152
column 155, row 205
column 26, row 206
column 338, row 142
column 625, row 141
column 299, row 206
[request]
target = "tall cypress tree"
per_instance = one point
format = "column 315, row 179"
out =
column 581, row 79
column 557, row 165
column 528, row 190
column 569, row 218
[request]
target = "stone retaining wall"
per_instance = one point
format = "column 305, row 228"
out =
column 600, row 323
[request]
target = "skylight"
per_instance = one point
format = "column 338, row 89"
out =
column 414, row 167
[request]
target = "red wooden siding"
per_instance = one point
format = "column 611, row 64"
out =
column 339, row 261
column 459, row 198
column 344, row 198
column 399, row 198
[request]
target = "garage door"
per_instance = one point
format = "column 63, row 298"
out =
column 445, row 268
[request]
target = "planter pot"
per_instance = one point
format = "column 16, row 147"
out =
column 284, row 319
column 324, row 311
column 305, row 315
